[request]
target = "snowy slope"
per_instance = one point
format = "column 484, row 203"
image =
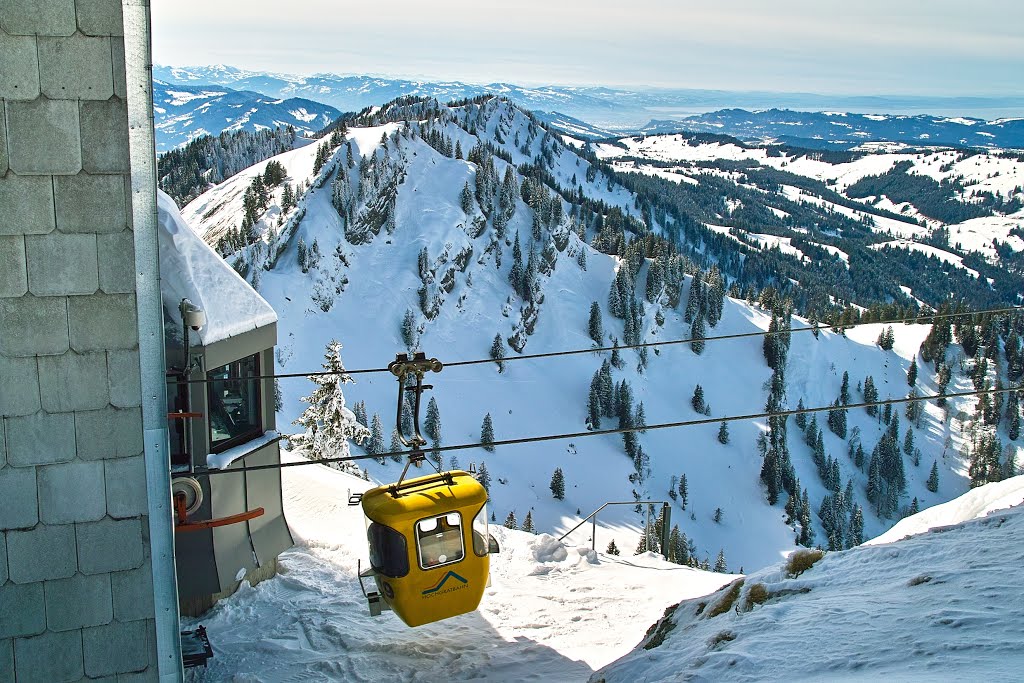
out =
column 359, row 293
column 185, row 112
column 990, row 172
column 552, row 613
column 943, row 605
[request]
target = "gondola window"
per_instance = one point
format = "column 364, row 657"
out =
column 440, row 540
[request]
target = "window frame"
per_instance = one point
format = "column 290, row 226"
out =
column 419, row 546
column 376, row 535
column 257, row 387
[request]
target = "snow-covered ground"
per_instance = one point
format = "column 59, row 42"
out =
column 943, row 605
column 552, row 613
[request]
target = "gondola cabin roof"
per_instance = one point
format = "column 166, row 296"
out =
column 422, row 497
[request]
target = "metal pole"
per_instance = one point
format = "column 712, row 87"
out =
column 593, row 532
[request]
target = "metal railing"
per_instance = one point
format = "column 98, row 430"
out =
column 666, row 511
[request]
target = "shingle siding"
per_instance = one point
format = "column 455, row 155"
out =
column 76, row 588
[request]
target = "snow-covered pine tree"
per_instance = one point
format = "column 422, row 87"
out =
column 498, row 352
column 487, row 433
column 432, row 422
column 612, row 548
column 720, row 566
column 684, row 491
column 595, row 327
column 484, row 477
column 327, row 422
column 396, row 445
column 409, row 328
column 557, row 484
column 359, row 410
column 528, row 523
column 697, row 334
column 376, row 442
column 697, row 401
column 723, row 433
column 510, row 521
column 912, row 372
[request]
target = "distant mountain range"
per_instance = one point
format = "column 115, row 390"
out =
column 238, row 97
column 185, row 112
column 841, row 130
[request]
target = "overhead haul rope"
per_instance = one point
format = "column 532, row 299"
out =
column 620, row 430
column 922, row 318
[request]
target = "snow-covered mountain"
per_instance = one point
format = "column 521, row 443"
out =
column 840, row 130
column 628, row 110
column 416, row 210
column 942, row 604
column 919, row 197
column 185, row 112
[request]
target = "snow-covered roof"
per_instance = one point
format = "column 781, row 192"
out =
column 190, row 269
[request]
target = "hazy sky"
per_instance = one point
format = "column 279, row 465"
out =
column 927, row 47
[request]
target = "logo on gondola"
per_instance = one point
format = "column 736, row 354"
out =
column 440, row 587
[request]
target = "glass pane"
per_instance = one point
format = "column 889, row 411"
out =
column 388, row 553
column 234, row 402
column 480, row 532
column 440, row 540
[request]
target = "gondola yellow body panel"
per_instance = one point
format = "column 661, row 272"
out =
column 429, row 545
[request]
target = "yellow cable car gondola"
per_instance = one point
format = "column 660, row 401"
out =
column 429, row 546
column 428, row 538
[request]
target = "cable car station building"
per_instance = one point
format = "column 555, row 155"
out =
column 88, row 585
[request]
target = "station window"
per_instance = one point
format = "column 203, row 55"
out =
column 388, row 553
column 440, row 540
column 235, row 411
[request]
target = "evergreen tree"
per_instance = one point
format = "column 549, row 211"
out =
column 915, row 507
column 723, row 433
column 510, row 521
column 594, row 402
column 612, row 548
column 498, row 352
column 328, row 423
column 484, row 477
column 432, row 423
column 844, row 390
column 908, row 441
column 396, row 445
column 558, row 484
column 855, row 531
column 515, row 275
column 466, row 199
column 718, row 515
column 596, row 327
column 528, row 523
column 912, row 372
column 684, row 492
column 697, row 334
column 487, row 434
column 801, row 418
column 409, row 328
column 697, row 401
column 1013, row 416
column 359, row 410
column 870, row 395
column 933, row 479
column 376, row 443
column 720, row 566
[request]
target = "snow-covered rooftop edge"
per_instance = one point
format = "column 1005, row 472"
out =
column 190, row 269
